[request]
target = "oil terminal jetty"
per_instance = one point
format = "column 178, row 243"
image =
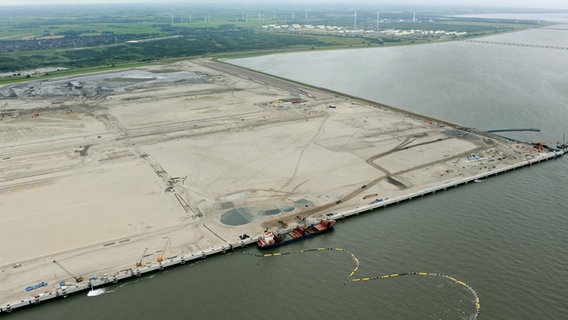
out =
column 110, row 176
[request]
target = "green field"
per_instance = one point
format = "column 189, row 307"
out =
column 100, row 37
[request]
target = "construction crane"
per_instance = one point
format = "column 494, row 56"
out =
column 139, row 262
column 77, row 279
column 161, row 257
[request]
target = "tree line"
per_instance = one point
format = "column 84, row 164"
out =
column 193, row 42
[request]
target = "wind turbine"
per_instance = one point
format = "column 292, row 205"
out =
column 355, row 19
column 377, row 20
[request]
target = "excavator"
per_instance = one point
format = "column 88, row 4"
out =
column 77, row 279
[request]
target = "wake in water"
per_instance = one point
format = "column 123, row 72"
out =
column 351, row 278
column 96, row 292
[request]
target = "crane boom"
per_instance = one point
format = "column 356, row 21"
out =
column 161, row 257
column 77, row 279
column 139, row 262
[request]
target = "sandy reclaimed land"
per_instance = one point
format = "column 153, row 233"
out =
column 192, row 155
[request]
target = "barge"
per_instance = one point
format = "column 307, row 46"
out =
column 269, row 239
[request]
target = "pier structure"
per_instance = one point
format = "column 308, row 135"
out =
column 184, row 161
column 65, row 290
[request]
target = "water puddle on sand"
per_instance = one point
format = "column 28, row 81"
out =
column 244, row 215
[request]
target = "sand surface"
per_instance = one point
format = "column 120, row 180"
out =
column 192, row 155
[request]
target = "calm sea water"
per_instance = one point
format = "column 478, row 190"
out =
column 506, row 237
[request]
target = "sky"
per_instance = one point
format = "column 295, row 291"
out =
column 553, row 4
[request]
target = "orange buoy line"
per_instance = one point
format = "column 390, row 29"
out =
column 351, row 275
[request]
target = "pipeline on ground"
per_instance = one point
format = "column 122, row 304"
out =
column 351, row 276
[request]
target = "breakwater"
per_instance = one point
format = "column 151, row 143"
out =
column 65, row 290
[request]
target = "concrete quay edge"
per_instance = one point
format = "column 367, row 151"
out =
column 64, row 291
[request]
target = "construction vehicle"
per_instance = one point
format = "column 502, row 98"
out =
column 139, row 262
column 161, row 257
column 77, row 279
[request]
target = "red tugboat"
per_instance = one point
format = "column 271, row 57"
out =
column 270, row 239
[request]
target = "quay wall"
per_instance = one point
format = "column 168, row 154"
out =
column 65, row 290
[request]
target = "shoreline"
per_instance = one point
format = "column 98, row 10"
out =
column 64, row 291
column 152, row 162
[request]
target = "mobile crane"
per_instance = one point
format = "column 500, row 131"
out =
column 161, row 257
column 139, row 262
column 77, row 279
